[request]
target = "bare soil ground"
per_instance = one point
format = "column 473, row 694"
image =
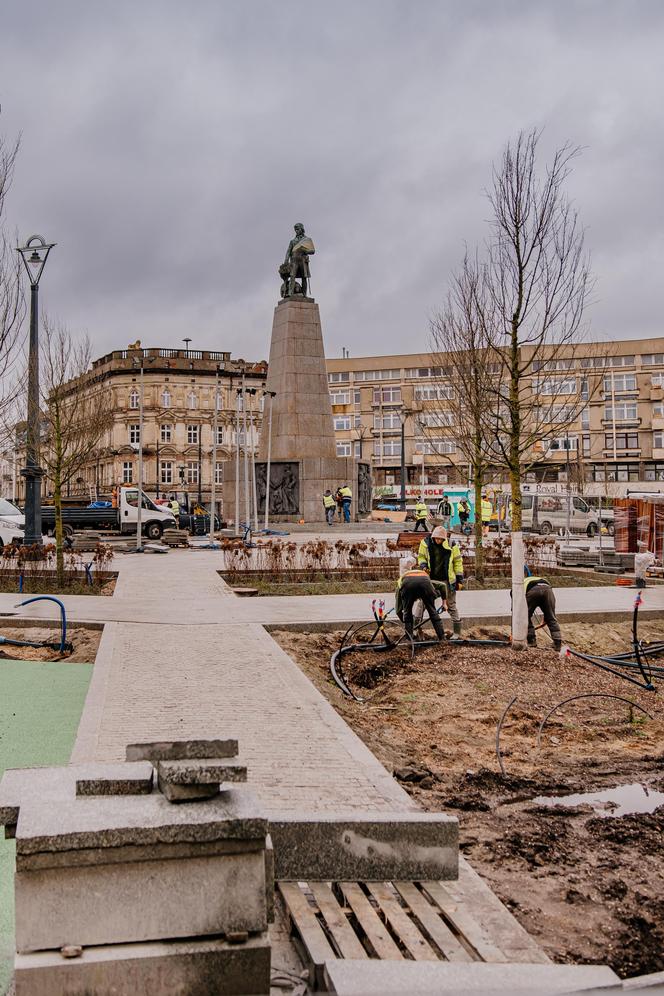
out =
column 86, row 644
column 42, row 586
column 588, row 887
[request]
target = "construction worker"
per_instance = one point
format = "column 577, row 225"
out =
column 415, row 585
column 329, row 505
column 464, row 514
column 175, row 508
column 487, row 512
column 444, row 563
column 445, row 511
column 340, row 502
column 421, row 515
column 539, row 595
column 346, row 497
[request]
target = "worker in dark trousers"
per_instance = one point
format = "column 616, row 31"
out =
column 539, row 595
column 411, row 586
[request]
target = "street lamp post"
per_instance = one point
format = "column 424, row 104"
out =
column 215, row 430
column 269, row 456
column 34, row 255
column 139, row 504
column 403, row 415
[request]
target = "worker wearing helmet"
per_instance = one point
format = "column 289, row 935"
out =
column 421, row 515
column 444, row 563
column 415, row 585
column 487, row 512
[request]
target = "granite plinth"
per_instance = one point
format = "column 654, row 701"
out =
column 140, row 901
column 51, row 817
column 182, row 750
column 197, row 968
column 375, row 848
column 125, row 779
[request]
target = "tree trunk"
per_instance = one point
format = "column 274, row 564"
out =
column 57, row 502
column 519, row 606
column 479, row 549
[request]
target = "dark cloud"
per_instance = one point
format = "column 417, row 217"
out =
column 169, row 148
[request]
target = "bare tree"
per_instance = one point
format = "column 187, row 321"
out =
column 12, row 299
column 538, row 281
column 77, row 413
column 466, row 383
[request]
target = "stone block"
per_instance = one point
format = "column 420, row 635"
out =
column 187, row 793
column 140, row 901
column 181, row 750
column 197, row 968
column 117, row 779
column 376, row 848
column 381, row 978
column 204, row 772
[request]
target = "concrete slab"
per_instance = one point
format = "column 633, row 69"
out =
column 364, row 978
column 118, row 779
column 170, row 969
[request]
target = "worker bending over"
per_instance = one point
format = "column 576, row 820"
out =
column 444, row 563
column 539, row 595
column 415, row 585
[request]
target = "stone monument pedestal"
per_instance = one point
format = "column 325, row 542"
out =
column 303, row 455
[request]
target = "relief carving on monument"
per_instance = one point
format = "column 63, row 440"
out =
column 284, row 488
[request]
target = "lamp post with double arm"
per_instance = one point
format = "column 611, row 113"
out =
column 34, row 255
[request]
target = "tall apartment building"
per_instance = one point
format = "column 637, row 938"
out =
column 616, row 443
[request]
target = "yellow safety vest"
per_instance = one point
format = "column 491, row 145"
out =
column 345, row 493
column 487, row 510
column 421, row 510
column 329, row 502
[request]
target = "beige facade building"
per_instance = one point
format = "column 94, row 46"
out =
column 617, row 443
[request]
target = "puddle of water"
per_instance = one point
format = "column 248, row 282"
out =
column 619, row 801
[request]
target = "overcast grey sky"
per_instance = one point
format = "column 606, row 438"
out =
column 169, row 147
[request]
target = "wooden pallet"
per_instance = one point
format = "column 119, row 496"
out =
column 417, row 921
column 175, row 537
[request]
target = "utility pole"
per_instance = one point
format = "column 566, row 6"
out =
column 247, row 503
column 215, row 429
column 271, row 395
column 238, row 393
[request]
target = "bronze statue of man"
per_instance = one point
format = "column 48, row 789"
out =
column 297, row 260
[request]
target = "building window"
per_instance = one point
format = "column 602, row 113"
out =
column 192, row 400
column 134, row 399
column 615, row 472
column 658, row 440
column 564, row 443
column 432, row 420
column 357, row 421
column 622, row 411
column 357, row 448
column 127, row 472
column 387, row 396
column 219, row 472
column 166, row 472
column 134, row 434
column 357, row 397
column 556, row 386
column 166, row 398
column 341, row 422
column 340, row 397
column 652, row 359
column 654, row 472
column 166, row 430
column 391, row 448
column 586, row 445
column 658, row 410
column 388, row 421
column 435, row 446
column 193, row 433
column 623, row 440
column 620, row 383
column 338, row 378
column 343, row 449
column 192, row 472
column 439, row 392
column 585, row 418
column 220, row 435
column 365, row 375
column 657, row 380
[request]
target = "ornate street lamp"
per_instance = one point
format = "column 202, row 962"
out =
column 34, row 255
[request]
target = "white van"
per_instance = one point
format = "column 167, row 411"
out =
column 547, row 513
column 12, row 524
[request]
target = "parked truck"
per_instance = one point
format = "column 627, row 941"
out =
column 122, row 518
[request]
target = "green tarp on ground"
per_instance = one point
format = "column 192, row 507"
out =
column 40, row 707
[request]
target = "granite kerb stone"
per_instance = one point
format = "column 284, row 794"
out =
column 182, row 750
column 135, row 852
column 119, row 779
column 203, row 772
column 349, row 846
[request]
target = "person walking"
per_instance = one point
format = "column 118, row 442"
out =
column 487, row 512
column 444, row 562
column 347, row 497
column 539, row 595
column 329, row 505
column 445, row 511
column 416, row 585
column 464, row 515
column 421, row 515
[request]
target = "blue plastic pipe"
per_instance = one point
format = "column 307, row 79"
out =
column 63, row 614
